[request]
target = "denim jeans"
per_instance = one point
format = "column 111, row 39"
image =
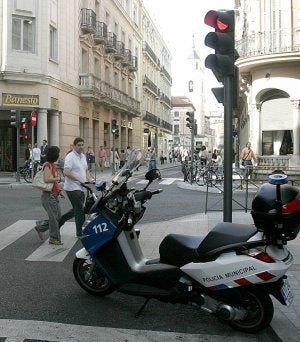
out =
column 76, row 198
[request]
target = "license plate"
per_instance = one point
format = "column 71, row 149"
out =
column 287, row 292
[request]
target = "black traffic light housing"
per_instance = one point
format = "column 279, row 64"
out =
column 190, row 120
column 114, row 128
column 15, row 118
column 222, row 41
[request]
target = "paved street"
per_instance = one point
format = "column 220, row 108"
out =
column 41, row 301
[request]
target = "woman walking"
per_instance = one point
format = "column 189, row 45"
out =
column 50, row 199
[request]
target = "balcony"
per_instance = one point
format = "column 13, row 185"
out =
column 102, row 93
column 133, row 66
column 127, row 58
column 111, row 46
column 88, row 20
column 263, row 47
column 164, row 98
column 100, row 37
column 151, row 118
column 147, row 49
column 120, row 51
column 164, row 73
column 166, row 125
column 151, row 86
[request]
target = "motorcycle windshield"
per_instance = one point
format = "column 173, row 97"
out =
column 135, row 158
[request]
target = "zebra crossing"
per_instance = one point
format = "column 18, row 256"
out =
column 163, row 181
column 45, row 252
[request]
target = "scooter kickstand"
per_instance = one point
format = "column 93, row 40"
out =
column 142, row 308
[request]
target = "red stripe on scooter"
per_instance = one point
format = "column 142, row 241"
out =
column 243, row 282
column 265, row 276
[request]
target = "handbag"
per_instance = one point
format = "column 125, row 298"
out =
column 39, row 183
column 243, row 162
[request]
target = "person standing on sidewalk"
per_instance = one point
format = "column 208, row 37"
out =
column 102, row 155
column 44, row 150
column 247, row 155
column 76, row 172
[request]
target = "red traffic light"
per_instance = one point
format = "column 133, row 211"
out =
column 23, row 125
column 221, row 21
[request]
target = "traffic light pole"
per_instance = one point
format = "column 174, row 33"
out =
column 113, row 157
column 18, row 115
column 192, row 152
column 228, row 115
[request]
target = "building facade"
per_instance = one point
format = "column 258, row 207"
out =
column 78, row 64
column 268, row 42
column 157, row 82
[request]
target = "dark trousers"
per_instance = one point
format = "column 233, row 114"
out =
column 76, row 198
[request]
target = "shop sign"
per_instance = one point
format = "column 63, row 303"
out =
column 20, row 100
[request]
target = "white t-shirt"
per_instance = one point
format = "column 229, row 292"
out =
column 36, row 153
column 77, row 164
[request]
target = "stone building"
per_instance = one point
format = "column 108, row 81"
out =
column 268, row 42
column 78, row 64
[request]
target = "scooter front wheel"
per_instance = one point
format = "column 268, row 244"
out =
column 259, row 308
column 90, row 278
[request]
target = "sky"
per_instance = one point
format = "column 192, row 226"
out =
column 178, row 21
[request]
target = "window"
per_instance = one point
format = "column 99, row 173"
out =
column 176, row 129
column 84, row 61
column 53, row 43
column 176, row 114
column 23, row 33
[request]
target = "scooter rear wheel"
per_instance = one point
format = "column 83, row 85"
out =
column 260, row 310
column 91, row 279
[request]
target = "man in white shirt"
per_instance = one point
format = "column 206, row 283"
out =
column 76, row 172
column 36, row 153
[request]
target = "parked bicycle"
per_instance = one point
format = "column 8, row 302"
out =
column 202, row 174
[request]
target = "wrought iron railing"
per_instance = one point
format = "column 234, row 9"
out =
column 88, row 19
column 98, row 90
column 269, row 42
column 150, row 52
column 101, row 31
column 166, row 74
column 150, row 85
column 152, row 118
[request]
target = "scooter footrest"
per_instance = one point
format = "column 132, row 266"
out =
column 143, row 290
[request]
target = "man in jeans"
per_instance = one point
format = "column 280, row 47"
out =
column 76, row 172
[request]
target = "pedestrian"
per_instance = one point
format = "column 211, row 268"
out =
column 36, row 154
column 184, row 169
column 44, row 150
column 102, row 155
column 127, row 153
column 162, row 158
column 218, row 163
column 28, row 153
column 152, row 159
column 90, row 157
column 50, row 200
column 76, row 172
column 203, row 155
column 114, row 159
column 247, row 155
column 122, row 159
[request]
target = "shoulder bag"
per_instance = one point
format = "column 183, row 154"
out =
column 39, row 183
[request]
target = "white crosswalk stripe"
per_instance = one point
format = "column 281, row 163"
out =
column 45, row 252
column 14, row 232
column 164, row 181
column 48, row 252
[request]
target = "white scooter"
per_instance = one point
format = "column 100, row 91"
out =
column 231, row 272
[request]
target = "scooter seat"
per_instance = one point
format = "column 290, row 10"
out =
column 178, row 250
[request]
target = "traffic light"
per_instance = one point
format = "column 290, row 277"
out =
column 15, row 118
column 23, row 124
column 190, row 120
column 114, row 126
column 222, row 41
